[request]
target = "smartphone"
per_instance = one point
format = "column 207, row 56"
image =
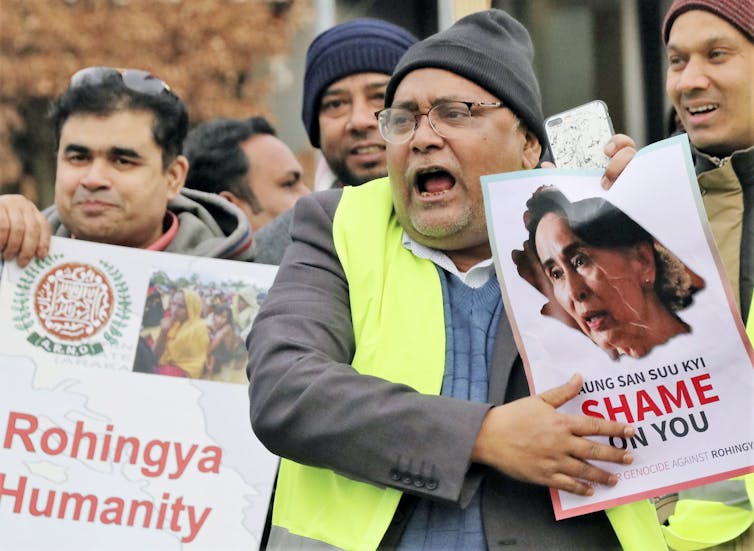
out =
column 578, row 136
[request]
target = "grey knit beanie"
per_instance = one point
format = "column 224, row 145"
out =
column 489, row 48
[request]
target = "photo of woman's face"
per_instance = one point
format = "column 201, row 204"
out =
column 178, row 305
column 600, row 288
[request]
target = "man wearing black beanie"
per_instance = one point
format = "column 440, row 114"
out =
column 382, row 366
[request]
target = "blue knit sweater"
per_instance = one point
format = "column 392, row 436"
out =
column 471, row 318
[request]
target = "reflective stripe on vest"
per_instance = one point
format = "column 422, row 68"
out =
column 392, row 292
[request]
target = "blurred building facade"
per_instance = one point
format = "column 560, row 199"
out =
column 246, row 57
column 585, row 49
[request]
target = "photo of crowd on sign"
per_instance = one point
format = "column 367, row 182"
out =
column 197, row 328
column 603, row 273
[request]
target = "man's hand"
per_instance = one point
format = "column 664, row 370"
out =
column 529, row 440
column 620, row 149
column 24, row 231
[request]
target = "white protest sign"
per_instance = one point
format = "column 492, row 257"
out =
column 98, row 449
column 626, row 287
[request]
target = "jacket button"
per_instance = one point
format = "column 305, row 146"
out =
column 432, row 484
column 395, row 474
column 419, row 481
column 408, row 479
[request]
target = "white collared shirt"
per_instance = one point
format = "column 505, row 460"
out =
column 478, row 274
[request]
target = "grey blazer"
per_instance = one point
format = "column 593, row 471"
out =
column 308, row 404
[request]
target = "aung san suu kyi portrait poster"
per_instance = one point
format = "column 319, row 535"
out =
column 626, row 287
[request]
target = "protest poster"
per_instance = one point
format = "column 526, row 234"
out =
column 112, row 439
column 626, row 287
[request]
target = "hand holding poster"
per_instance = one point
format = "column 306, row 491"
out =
column 124, row 405
column 626, row 287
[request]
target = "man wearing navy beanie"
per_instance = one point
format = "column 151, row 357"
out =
column 347, row 69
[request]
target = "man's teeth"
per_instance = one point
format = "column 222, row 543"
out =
column 368, row 149
column 702, row 108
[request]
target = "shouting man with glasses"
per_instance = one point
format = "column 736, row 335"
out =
column 382, row 365
column 120, row 176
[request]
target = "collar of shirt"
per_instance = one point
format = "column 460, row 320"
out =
column 478, row 275
column 165, row 239
column 324, row 178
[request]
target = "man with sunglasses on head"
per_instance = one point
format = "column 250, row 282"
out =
column 396, row 396
column 120, row 175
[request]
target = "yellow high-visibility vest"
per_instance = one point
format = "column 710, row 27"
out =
column 391, row 293
column 699, row 524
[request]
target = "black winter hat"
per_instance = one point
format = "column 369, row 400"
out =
column 491, row 49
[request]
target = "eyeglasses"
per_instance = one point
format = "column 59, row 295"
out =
column 397, row 125
column 134, row 79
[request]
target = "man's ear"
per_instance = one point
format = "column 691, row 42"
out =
column 232, row 197
column 532, row 150
column 242, row 204
column 176, row 174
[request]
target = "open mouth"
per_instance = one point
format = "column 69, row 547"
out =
column 702, row 109
column 368, row 149
column 595, row 320
column 434, row 181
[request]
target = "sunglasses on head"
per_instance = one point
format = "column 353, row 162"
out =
column 134, row 79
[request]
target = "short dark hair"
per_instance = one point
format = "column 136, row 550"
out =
column 224, row 309
column 111, row 95
column 216, row 161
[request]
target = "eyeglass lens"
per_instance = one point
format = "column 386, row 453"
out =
column 397, row 125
